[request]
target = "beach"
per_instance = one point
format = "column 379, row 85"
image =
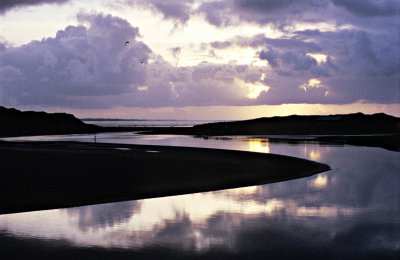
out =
column 47, row 175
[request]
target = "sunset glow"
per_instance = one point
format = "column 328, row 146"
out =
column 198, row 55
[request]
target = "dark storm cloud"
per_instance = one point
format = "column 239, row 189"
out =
column 285, row 12
column 179, row 10
column 6, row 5
column 273, row 7
column 280, row 13
column 366, row 8
column 230, row 12
column 358, row 65
column 291, row 59
column 270, row 56
column 214, row 12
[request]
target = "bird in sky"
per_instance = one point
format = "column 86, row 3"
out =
column 140, row 60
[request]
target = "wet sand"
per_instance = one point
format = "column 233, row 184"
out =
column 47, row 175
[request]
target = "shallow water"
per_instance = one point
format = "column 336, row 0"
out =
column 354, row 209
column 148, row 123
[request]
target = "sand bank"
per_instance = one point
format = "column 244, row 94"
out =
column 46, row 175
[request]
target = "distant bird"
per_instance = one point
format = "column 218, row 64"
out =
column 141, row 61
column 126, row 43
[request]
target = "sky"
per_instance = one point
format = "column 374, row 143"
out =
column 202, row 59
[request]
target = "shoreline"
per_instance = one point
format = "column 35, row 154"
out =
column 48, row 175
column 386, row 141
column 353, row 129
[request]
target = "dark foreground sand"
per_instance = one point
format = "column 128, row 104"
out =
column 46, row 175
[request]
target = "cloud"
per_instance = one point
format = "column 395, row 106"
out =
column 283, row 14
column 201, row 85
column 270, row 56
column 231, row 12
column 370, row 8
column 290, row 59
column 352, row 65
column 78, row 62
column 261, row 40
column 6, row 5
column 178, row 10
column 176, row 52
column 91, row 67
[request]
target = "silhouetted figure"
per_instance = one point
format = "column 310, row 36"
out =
column 95, row 139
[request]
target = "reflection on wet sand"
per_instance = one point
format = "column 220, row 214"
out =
column 323, row 212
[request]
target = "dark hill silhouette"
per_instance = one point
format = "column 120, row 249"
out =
column 378, row 130
column 353, row 129
column 351, row 124
column 17, row 123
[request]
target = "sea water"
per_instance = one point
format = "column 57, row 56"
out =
column 148, row 123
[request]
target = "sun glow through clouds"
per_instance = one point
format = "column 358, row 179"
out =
column 142, row 88
column 312, row 83
column 319, row 57
column 333, row 62
column 254, row 89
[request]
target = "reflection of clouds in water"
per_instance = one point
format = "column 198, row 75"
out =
column 102, row 215
column 186, row 234
column 101, row 225
column 381, row 236
column 366, row 178
column 198, row 207
column 274, row 239
column 325, row 210
column 361, row 177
